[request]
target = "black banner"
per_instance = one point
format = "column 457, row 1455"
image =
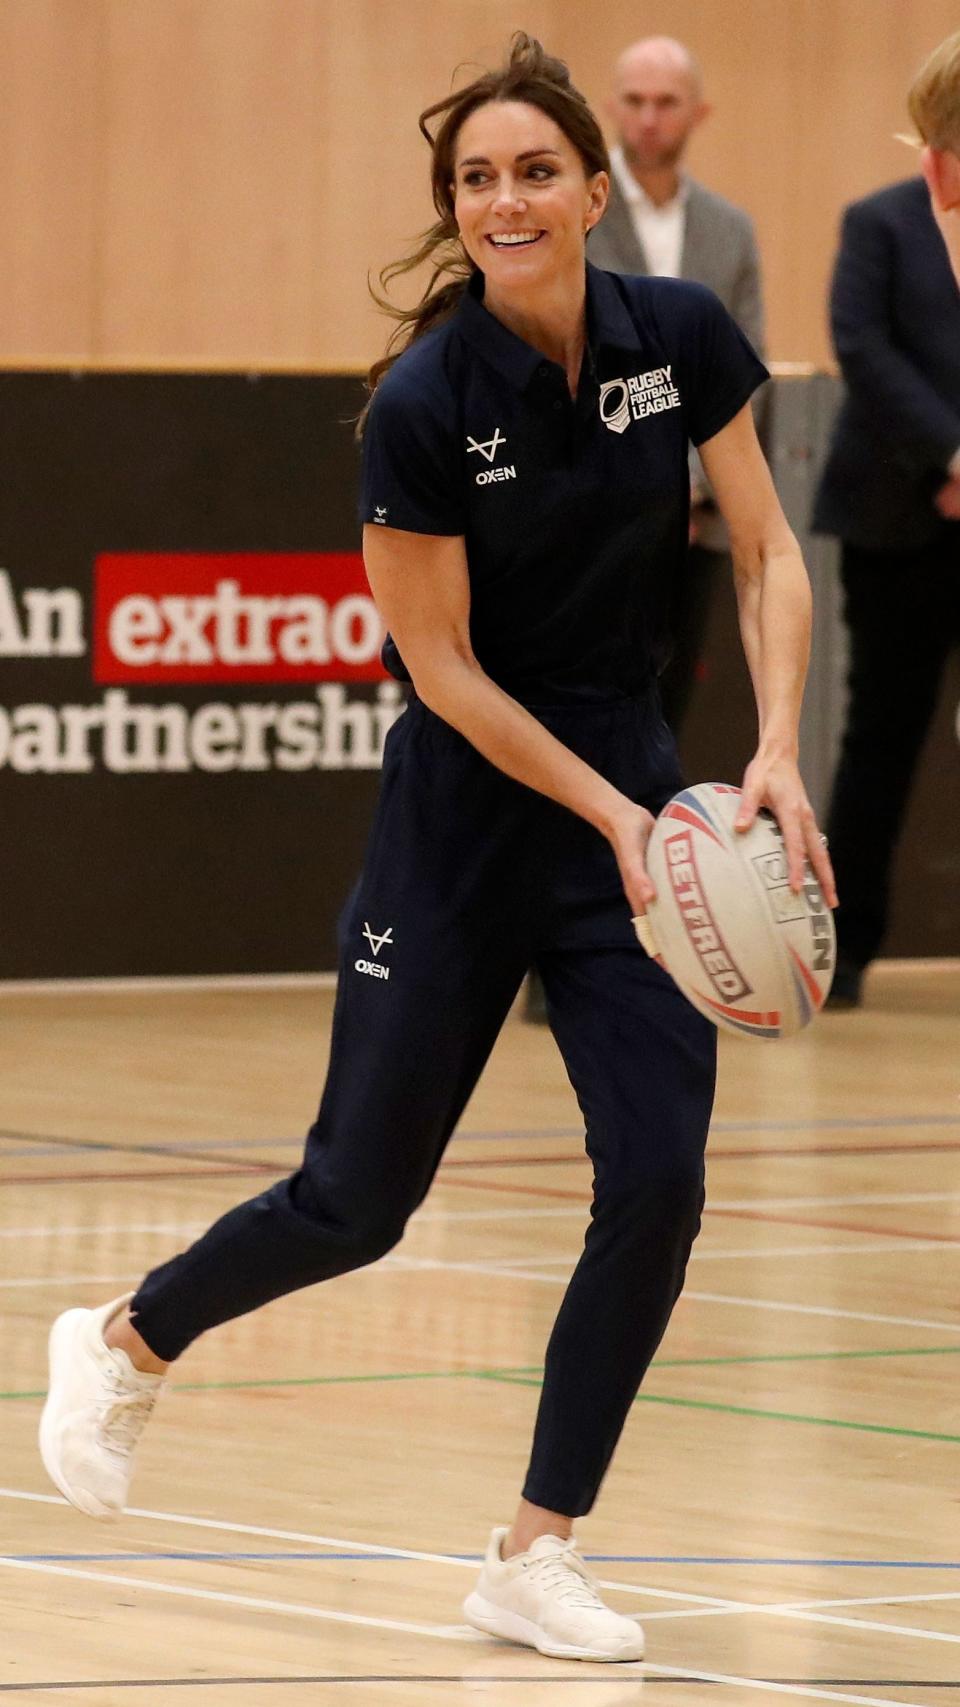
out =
column 170, row 546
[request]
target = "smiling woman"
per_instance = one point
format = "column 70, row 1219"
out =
column 554, row 144
column 525, row 496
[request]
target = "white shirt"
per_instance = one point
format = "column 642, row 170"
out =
column 660, row 229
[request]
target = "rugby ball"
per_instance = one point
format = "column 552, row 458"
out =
column 752, row 955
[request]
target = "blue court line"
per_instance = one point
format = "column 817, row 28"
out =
column 318, row 1557
column 849, row 1124
column 499, row 1135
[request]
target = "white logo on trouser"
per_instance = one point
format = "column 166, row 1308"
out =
column 375, row 968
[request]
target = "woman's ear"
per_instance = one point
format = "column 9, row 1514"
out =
column 596, row 206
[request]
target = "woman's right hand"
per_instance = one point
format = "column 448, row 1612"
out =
column 628, row 834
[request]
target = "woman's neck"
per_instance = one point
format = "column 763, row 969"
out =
column 555, row 324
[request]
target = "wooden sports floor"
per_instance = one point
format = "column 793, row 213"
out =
column 784, row 1512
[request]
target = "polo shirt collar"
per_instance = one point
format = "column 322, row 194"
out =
column 608, row 325
column 609, row 322
column 515, row 361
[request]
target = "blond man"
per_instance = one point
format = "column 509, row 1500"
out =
column 934, row 102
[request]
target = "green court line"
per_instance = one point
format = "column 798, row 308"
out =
column 518, row 1372
column 791, row 1416
column 755, row 1411
column 807, row 1356
column 294, row 1381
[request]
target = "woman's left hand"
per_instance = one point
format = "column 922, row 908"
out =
column 775, row 782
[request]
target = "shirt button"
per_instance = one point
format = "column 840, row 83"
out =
column 558, row 403
column 543, row 371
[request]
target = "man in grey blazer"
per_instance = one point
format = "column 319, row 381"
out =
column 659, row 220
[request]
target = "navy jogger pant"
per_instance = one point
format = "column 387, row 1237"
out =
column 469, row 879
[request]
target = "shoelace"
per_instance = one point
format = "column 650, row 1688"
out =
column 123, row 1415
column 568, row 1575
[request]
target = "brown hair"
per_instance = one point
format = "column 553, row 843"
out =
column 529, row 74
column 934, row 98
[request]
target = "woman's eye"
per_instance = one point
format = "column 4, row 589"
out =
column 541, row 172
column 472, row 179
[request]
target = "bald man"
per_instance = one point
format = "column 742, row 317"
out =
column 659, row 220
column 934, row 102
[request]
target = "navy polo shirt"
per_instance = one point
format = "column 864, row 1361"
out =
column 574, row 512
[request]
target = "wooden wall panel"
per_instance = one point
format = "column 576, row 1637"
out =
column 207, row 182
column 50, row 200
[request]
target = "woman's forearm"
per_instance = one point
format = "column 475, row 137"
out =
column 775, row 621
column 460, row 692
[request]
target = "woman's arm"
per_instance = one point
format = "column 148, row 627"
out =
column 422, row 589
column 773, row 595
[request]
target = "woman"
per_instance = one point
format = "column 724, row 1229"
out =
column 525, row 497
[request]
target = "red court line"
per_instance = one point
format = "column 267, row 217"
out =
column 835, row 1226
column 834, row 1150
column 134, row 1174
column 482, row 1162
column 518, row 1190
column 734, row 1214
column 511, row 1161
column 715, row 1155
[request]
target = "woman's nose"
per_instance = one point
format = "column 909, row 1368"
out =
column 508, row 197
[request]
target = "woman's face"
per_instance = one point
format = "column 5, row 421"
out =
column 522, row 199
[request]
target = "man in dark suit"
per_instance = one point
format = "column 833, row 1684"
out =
column 659, row 220
column 891, row 492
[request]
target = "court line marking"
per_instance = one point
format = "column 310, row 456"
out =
column 240, row 983
column 831, row 1226
column 442, row 1632
column 790, row 1608
column 68, row 1280
column 762, row 1413
column 116, row 1176
column 94, row 1230
column 225, row 1526
column 257, row 1603
column 876, row 1600
column 649, row 1674
column 806, row 1690
column 719, row 1407
column 523, row 1266
column 775, row 1304
column 714, row 1205
column 213, row 1168
column 934, row 1244
column 315, row 1557
column 643, row 1672
column 506, row 1371
column 400, row 1262
column 929, row 1246
column 788, row 1308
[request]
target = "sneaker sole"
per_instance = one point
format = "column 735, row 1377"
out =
column 511, row 1627
column 57, row 1347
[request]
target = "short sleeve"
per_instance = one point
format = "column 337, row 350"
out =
column 409, row 475
column 719, row 370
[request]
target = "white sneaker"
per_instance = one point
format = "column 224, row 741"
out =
column 95, row 1410
column 546, row 1599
